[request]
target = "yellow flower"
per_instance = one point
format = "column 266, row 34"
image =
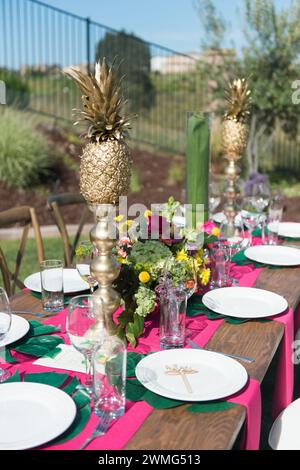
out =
column 215, row 232
column 144, row 277
column 147, row 213
column 119, row 218
column 181, row 255
column 121, row 260
column 205, row 276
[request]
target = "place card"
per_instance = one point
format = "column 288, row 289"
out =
column 69, row 359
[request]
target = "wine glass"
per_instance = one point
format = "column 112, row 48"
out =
column 250, row 217
column 5, row 324
column 85, row 252
column 85, row 329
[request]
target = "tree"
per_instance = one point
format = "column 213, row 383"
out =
column 133, row 57
column 269, row 61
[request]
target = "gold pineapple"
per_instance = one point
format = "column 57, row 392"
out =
column 235, row 128
column 105, row 165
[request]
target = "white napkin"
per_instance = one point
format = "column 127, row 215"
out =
column 69, row 359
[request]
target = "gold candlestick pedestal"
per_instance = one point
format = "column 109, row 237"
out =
column 104, row 267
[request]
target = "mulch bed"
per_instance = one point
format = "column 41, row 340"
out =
column 153, row 175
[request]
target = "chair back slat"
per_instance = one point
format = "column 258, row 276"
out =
column 54, row 204
column 26, row 216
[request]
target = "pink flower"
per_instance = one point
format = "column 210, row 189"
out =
column 122, row 253
column 125, row 241
column 208, row 227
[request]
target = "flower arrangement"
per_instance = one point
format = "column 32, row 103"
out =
column 144, row 262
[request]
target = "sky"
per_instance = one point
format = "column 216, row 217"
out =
column 170, row 23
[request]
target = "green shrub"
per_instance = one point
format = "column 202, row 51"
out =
column 23, row 151
column 17, row 90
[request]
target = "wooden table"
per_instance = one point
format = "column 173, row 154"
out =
column 180, row 430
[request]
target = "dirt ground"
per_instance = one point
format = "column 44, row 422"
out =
column 153, row 181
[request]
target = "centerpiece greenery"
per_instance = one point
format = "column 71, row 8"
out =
column 145, row 261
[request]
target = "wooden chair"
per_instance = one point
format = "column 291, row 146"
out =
column 54, row 204
column 26, row 216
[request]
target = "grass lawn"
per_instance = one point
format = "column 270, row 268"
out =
column 53, row 250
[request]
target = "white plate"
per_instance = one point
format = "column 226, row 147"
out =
column 72, row 282
column 217, row 376
column 284, row 434
column 274, row 255
column 32, row 414
column 245, row 302
column 219, row 217
column 19, row 327
column 287, row 229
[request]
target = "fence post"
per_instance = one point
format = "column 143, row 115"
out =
column 88, row 45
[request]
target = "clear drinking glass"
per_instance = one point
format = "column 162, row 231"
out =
column 52, row 285
column 261, row 195
column 85, row 329
column 110, row 378
column 5, row 324
column 251, row 218
column 232, row 239
column 274, row 219
column 85, row 252
column 173, row 302
column 219, row 265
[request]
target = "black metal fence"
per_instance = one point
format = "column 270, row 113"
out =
column 38, row 41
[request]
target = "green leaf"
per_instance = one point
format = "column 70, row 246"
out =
column 210, row 407
column 14, row 378
column 6, row 355
column 161, row 403
column 135, row 391
column 71, row 386
column 53, row 353
column 81, row 398
column 40, row 329
column 47, row 378
column 38, row 346
column 132, row 361
column 79, row 423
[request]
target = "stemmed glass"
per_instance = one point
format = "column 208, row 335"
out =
column 232, row 238
column 260, row 196
column 86, row 331
column 5, row 324
column 250, row 217
column 85, row 252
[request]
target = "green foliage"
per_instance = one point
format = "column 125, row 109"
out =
column 135, row 184
column 134, row 58
column 149, row 256
column 176, row 174
column 269, row 60
column 23, row 152
column 17, row 89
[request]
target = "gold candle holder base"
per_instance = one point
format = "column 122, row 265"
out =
column 104, row 267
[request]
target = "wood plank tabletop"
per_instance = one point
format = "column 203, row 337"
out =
column 182, row 430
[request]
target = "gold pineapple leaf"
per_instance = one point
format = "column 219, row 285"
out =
column 238, row 100
column 102, row 103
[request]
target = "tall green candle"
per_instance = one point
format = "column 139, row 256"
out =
column 198, row 155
